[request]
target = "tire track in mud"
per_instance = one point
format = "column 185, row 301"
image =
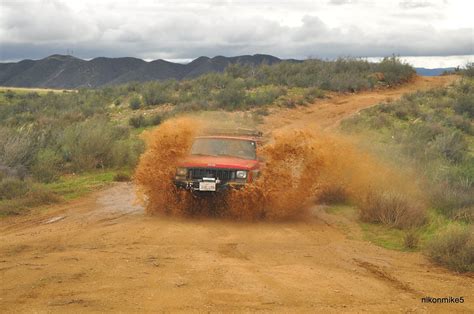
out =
column 383, row 275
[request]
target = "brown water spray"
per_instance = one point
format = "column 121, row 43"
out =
column 301, row 167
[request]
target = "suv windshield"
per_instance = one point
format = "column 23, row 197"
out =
column 224, row 147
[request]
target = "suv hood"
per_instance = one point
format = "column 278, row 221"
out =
column 218, row 162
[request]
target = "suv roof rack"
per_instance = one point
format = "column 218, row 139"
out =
column 233, row 131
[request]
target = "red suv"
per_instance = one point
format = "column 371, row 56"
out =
column 220, row 161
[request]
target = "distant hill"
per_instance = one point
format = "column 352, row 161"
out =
column 432, row 72
column 61, row 71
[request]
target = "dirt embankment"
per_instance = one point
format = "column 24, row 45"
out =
column 101, row 253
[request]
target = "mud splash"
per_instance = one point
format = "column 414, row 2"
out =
column 301, row 167
column 166, row 145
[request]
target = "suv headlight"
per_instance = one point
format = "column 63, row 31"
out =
column 181, row 172
column 241, row 174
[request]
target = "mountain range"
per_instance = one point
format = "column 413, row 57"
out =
column 63, row 71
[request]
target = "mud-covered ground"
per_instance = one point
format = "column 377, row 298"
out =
column 102, row 253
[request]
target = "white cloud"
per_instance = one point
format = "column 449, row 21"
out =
column 187, row 29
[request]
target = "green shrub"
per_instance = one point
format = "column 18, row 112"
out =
column 156, row 93
column 464, row 105
column 125, row 153
column 453, row 248
column 453, row 201
column 135, row 103
column 231, row 97
column 137, row 121
column 394, row 71
column 452, row 146
column 47, row 166
column 88, row 145
column 312, row 93
column 264, row 95
column 155, row 119
column 17, row 148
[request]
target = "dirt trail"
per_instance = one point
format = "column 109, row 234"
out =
column 101, row 253
column 327, row 113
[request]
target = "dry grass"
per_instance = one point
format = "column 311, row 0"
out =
column 454, row 248
column 122, row 177
column 36, row 90
column 392, row 208
column 411, row 239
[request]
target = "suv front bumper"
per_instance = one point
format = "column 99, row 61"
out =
column 200, row 185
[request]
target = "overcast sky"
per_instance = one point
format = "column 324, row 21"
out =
column 183, row 30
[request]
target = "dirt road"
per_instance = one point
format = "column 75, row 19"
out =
column 101, row 253
column 327, row 113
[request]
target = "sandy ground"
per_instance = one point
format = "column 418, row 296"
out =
column 102, row 253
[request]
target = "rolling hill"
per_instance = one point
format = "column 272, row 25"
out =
column 63, row 71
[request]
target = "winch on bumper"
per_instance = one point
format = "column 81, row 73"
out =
column 210, row 180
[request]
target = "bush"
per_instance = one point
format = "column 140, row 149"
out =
column 13, row 188
column 88, row 145
column 453, row 201
column 125, row 153
column 231, row 97
column 137, row 121
column 264, row 95
column 453, row 248
column 452, row 146
column 156, row 93
column 394, row 71
column 391, row 208
column 17, row 148
column 411, row 239
column 312, row 93
column 40, row 196
column 47, row 166
column 469, row 70
column 155, row 119
column 135, row 103
column 464, row 105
